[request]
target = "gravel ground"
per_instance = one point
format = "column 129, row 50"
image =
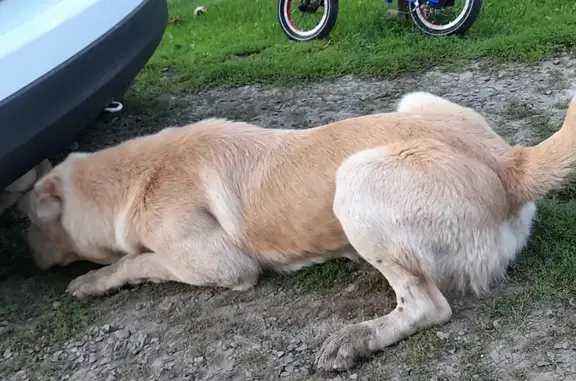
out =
column 170, row 331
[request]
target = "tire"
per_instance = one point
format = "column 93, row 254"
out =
column 457, row 27
column 322, row 29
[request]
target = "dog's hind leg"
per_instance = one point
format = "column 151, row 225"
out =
column 414, row 211
column 420, row 305
column 205, row 260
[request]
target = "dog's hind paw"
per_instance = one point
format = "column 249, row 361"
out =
column 341, row 350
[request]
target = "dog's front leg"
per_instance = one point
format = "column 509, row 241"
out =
column 131, row 269
column 201, row 260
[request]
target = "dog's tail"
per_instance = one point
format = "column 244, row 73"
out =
column 534, row 171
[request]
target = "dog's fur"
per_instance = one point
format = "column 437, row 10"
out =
column 430, row 195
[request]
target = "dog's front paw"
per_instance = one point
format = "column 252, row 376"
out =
column 341, row 350
column 89, row 284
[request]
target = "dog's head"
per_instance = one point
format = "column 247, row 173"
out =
column 50, row 243
column 67, row 222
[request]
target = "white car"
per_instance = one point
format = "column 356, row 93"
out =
column 61, row 63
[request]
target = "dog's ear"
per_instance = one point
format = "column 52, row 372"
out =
column 46, row 201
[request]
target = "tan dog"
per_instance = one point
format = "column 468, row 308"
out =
column 431, row 196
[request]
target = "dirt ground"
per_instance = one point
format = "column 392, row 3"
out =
column 170, row 331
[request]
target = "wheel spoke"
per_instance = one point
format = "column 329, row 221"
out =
column 305, row 21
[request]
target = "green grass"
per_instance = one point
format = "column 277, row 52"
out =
column 240, row 42
column 549, row 264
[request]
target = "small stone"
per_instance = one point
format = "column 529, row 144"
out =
column 556, row 62
column 442, row 336
column 284, row 374
column 56, row 356
column 157, row 363
column 543, row 363
column 288, row 359
column 7, row 353
column 495, row 356
column 350, row 288
column 169, row 365
column 289, row 369
column 106, row 328
column 111, row 378
column 74, row 146
column 353, row 376
column 461, row 333
column 279, row 354
column 122, row 334
column 92, row 358
column 550, row 313
column 548, row 92
column 195, row 352
column 198, row 360
column 561, row 346
column 56, row 305
column 205, row 296
column 302, row 348
column 496, row 324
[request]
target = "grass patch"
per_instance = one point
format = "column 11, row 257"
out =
column 519, row 110
column 547, row 269
column 240, row 42
column 254, row 358
column 549, row 264
column 321, row 277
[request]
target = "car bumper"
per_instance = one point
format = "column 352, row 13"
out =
column 42, row 119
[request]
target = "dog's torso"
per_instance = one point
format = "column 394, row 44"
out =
column 272, row 191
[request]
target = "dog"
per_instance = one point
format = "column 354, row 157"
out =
column 428, row 194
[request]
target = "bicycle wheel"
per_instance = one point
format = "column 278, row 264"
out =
column 304, row 20
column 445, row 17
